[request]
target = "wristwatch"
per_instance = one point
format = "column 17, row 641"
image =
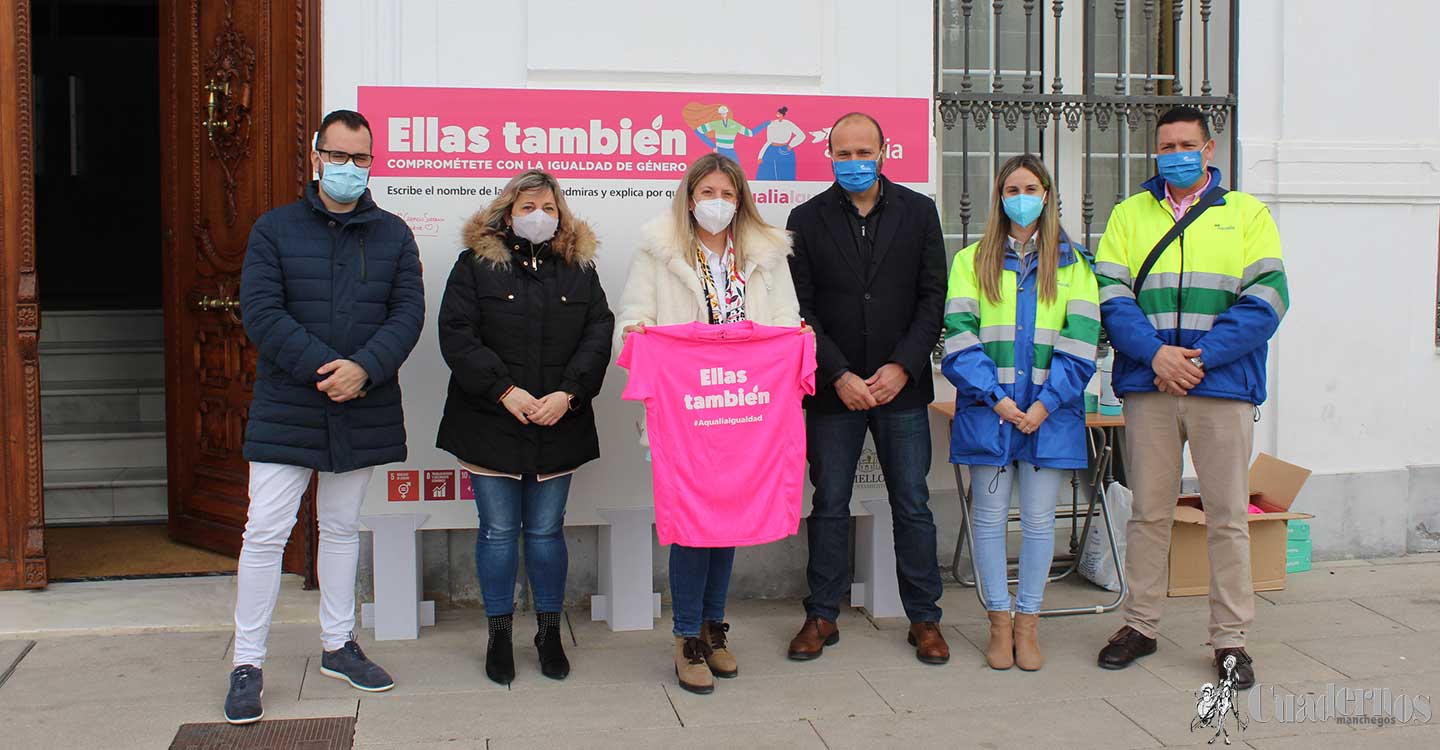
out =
column 570, row 399
column 1200, row 363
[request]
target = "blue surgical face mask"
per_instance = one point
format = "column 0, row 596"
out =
column 1181, row 169
column 345, row 183
column 1023, row 209
column 856, row 175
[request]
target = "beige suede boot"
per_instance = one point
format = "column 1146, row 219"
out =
column 1027, row 642
column 721, row 660
column 690, row 667
column 1001, row 652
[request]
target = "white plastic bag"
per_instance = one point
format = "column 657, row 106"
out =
column 1096, row 563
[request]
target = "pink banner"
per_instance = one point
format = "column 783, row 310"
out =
column 631, row 135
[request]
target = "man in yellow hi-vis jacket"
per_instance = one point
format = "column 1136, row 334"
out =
column 1190, row 329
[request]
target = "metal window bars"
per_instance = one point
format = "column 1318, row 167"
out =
column 1137, row 59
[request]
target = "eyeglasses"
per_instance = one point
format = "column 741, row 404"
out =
column 340, row 157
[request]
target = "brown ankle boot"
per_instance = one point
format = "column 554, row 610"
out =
column 1027, row 642
column 1001, row 652
column 721, row 660
column 690, row 667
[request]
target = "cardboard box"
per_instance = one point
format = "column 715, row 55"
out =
column 1274, row 485
column 1298, row 531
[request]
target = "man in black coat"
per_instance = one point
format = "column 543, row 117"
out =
column 869, row 269
column 332, row 298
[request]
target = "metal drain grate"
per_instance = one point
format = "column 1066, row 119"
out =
column 288, row 734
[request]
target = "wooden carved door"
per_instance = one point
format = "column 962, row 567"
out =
column 22, row 512
column 239, row 100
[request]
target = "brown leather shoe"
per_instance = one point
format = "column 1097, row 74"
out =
column 814, row 636
column 930, row 646
column 1243, row 674
column 1127, row 645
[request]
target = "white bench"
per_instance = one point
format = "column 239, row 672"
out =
column 625, row 599
column 398, row 613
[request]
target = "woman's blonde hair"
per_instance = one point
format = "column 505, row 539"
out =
column 495, row 217
column 747, row 216
column 990, row 255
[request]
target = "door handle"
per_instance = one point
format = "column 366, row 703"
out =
column 217, row 304
column 215, row 91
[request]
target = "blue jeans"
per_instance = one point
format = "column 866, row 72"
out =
column 990, row 493
column 902, row 443
column 507, row 507
column 699, row 582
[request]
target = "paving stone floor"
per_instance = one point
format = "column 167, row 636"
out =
column 1359, row 624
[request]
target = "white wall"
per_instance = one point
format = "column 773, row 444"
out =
column 1338, row 132
column 801, row 46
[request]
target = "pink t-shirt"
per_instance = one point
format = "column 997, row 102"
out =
column 727, row 434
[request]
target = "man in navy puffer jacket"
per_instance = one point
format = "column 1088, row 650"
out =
column 332, row 297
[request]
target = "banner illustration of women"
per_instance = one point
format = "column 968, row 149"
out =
column 477, row 133
column 709, row 120
column 777, row 156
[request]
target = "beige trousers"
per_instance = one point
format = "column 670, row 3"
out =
column 1221, row 433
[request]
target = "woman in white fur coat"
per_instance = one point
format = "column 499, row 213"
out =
column 664, row 286
column 710, row 258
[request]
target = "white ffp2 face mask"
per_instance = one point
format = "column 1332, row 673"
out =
column 714, row 215
column 536, row 226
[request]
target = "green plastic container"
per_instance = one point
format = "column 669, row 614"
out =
column 1297, row 555
column 1297, row 531
column 1092, row 403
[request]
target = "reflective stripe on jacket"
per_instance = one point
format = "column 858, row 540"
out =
column 1227, row 300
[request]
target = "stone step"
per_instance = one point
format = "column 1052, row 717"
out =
column 66, row 326
column 91, row 496
column 129, row 359
column 103, row 445
column 82, row 401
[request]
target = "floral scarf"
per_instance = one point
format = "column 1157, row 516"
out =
column 726, row 305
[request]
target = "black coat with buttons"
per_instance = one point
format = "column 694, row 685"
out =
column 532, row 317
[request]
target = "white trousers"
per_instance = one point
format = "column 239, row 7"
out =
column 275, row 494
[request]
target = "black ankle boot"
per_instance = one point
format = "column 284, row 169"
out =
column 500, row 653
column 548, row 642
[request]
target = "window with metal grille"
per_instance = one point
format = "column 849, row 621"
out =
column 1080, row 83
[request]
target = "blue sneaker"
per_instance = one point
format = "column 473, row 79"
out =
column 349, row 664
column 247, row 686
